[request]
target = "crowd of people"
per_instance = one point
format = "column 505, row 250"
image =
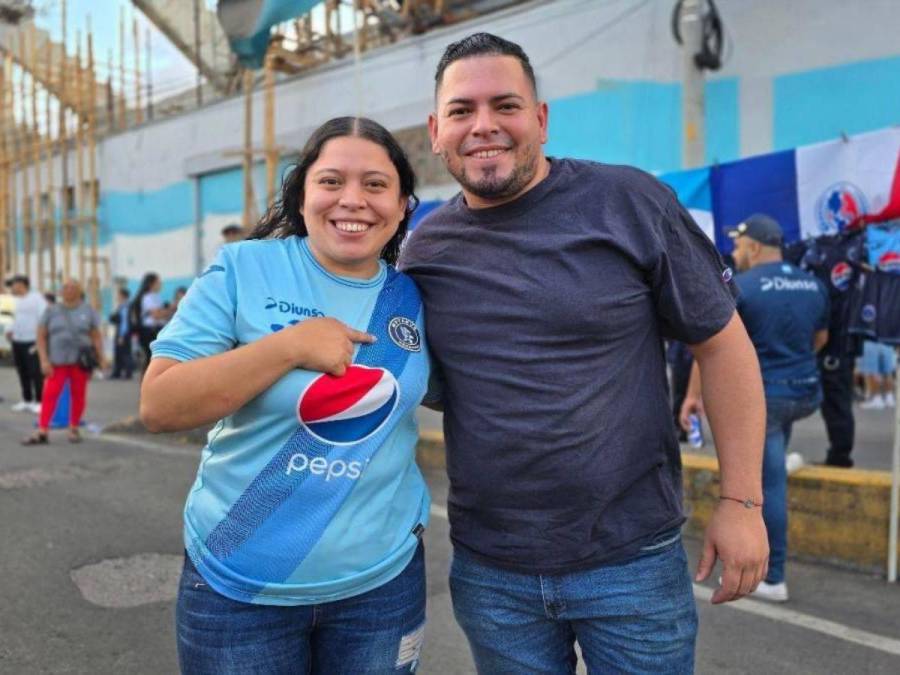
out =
column 530, row 309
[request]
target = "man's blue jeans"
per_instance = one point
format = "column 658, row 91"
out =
column 636, row 616
column 376, row 632
column 781, row 413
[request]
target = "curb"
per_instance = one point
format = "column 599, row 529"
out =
column 837, row 516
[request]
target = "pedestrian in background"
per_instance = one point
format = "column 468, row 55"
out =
column 786, row 312
column 68, row 341
column 877, row 365
column 30, row 306
column 123, row 356
column 148, row 313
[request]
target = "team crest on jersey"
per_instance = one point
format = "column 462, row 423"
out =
column 348, row 409
column 868, row 313
column 405, row 334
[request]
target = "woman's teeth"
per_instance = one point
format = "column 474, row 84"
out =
column 350, row 226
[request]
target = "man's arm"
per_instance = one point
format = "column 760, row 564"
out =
column 726, row 370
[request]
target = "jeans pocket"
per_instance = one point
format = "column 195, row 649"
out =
column 191, row 577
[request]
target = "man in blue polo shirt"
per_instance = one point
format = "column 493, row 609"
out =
column 786, row 314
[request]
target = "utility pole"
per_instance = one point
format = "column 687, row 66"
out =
column 693, row 106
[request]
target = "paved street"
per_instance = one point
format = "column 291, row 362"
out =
column 92, row 538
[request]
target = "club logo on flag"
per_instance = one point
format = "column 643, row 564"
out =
column 348, row 409
column 840, row 276
column 890, row 262
column 839, row 206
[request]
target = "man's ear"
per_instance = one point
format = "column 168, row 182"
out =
column 432, row 132
column 543, row 112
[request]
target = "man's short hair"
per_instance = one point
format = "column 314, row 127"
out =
column 233, row 228
column 124, row 292
column 483, row 44
column 18, row 279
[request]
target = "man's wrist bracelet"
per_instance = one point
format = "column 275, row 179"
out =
column 747, row 503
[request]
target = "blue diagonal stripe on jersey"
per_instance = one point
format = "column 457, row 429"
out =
column 269, row 504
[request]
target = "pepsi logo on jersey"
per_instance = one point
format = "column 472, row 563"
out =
column 348, row 409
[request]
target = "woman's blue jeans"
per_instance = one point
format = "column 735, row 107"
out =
column 376, row 632
column 636, row 616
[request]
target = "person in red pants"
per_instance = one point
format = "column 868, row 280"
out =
column 65, row 330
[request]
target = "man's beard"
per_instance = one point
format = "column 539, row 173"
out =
column 492, row 187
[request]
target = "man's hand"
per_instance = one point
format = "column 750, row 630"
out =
column 692, row 405
column 737, row 536
column 46, row 369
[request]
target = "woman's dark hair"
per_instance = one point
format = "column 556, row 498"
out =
column 134, row 309
column 284, row 219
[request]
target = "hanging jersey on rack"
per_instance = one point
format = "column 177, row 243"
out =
column 876, row 312
column 836, row 260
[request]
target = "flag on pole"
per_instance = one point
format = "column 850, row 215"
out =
column 247, row 24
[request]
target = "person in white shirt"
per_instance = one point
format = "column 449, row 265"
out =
column 30, row 306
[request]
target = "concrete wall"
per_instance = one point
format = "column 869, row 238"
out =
column 795, row 73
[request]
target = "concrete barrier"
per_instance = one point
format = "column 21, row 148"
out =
column 838, row 516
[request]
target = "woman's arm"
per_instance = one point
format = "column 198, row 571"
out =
column 183, row 395
column 43, row 356
column 97, row 341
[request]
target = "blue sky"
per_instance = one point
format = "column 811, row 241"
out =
column 170, row 70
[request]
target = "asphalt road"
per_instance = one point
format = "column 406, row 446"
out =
column 92, row 543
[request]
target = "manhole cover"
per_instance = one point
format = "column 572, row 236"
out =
column 130, row 582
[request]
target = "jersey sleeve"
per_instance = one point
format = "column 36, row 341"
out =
column 204, row 324
column 693, row 289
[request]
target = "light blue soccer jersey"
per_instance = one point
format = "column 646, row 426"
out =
column 310, row 492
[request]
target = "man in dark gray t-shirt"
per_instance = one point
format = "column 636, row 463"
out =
column 549, row 285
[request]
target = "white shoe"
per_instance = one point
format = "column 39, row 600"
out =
column 794, row 462
column 35, row 408
column 21, row 406
column 889, row 401
column 771, row 592
column 874, row 403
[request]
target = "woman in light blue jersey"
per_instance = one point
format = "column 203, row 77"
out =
column 305, row 347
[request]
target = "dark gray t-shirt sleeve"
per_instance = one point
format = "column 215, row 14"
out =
column 693, row 289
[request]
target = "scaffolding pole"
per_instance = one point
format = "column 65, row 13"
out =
column 271, row 151
column 23, row 158
column 79, row 163
column 138, row 107
column 121, row 124
column 94, row 292
column 37, row 223
column 247, row 219
column 51, row 229
column 66, row 211
column 13, row 193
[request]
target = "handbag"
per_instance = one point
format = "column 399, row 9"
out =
column 87, row 358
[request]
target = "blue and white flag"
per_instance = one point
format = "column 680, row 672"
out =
column 248, row 22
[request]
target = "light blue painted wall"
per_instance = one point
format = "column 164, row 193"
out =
column 149, row 212
column 639, row 123
column 817, row 105
column 722, row 119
